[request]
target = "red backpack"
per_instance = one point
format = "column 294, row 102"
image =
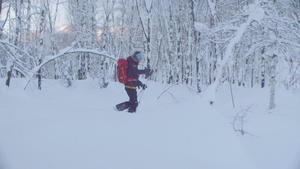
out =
column 122, row 71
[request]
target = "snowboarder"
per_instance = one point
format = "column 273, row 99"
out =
column 131, row 86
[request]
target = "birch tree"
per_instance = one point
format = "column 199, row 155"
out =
column 255, row 13
column 144, row 9
column 0, row 6
column 10, row 65
column 84, row 29
column 1, row 22
column 196, row 43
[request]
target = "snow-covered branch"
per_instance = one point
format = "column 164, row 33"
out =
column 255, row 14
column 67, row 51
column 197, row 43
column 6, row 42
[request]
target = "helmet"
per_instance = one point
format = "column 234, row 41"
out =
column 137, row 56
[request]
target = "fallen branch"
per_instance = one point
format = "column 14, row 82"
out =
column 166, row 91
column 173, row 97
column 239, row 121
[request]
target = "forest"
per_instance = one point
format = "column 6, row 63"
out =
column 200, row 43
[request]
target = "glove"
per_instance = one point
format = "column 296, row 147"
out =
column 148, row 72
column 144, row 86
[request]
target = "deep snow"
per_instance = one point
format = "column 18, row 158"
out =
column 76, row 128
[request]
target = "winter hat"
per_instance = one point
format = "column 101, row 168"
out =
column 137, row 56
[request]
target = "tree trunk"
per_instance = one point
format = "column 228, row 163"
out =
column 146, row 28
column 18, row 22
column 16, row 37
column 39, row 76
column 0, row 6
column 41, row 53
column 273, row 63
column 81, row 71
column 262, row 64
column 9, row 74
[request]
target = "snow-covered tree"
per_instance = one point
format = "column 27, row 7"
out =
column 198, row 43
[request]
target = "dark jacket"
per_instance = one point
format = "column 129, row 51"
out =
column 133, row 72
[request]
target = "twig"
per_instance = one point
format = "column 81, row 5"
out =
column 167, row 90
column 239, row 120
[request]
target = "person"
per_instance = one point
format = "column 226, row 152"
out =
column 131, row 86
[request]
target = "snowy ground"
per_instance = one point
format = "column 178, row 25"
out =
column 76, row 128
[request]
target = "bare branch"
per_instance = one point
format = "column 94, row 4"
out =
column 167, row 90
column 239, row 121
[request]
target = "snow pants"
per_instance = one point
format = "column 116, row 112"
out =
column 132, row 104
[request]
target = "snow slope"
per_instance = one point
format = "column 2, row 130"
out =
column 76, row 128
